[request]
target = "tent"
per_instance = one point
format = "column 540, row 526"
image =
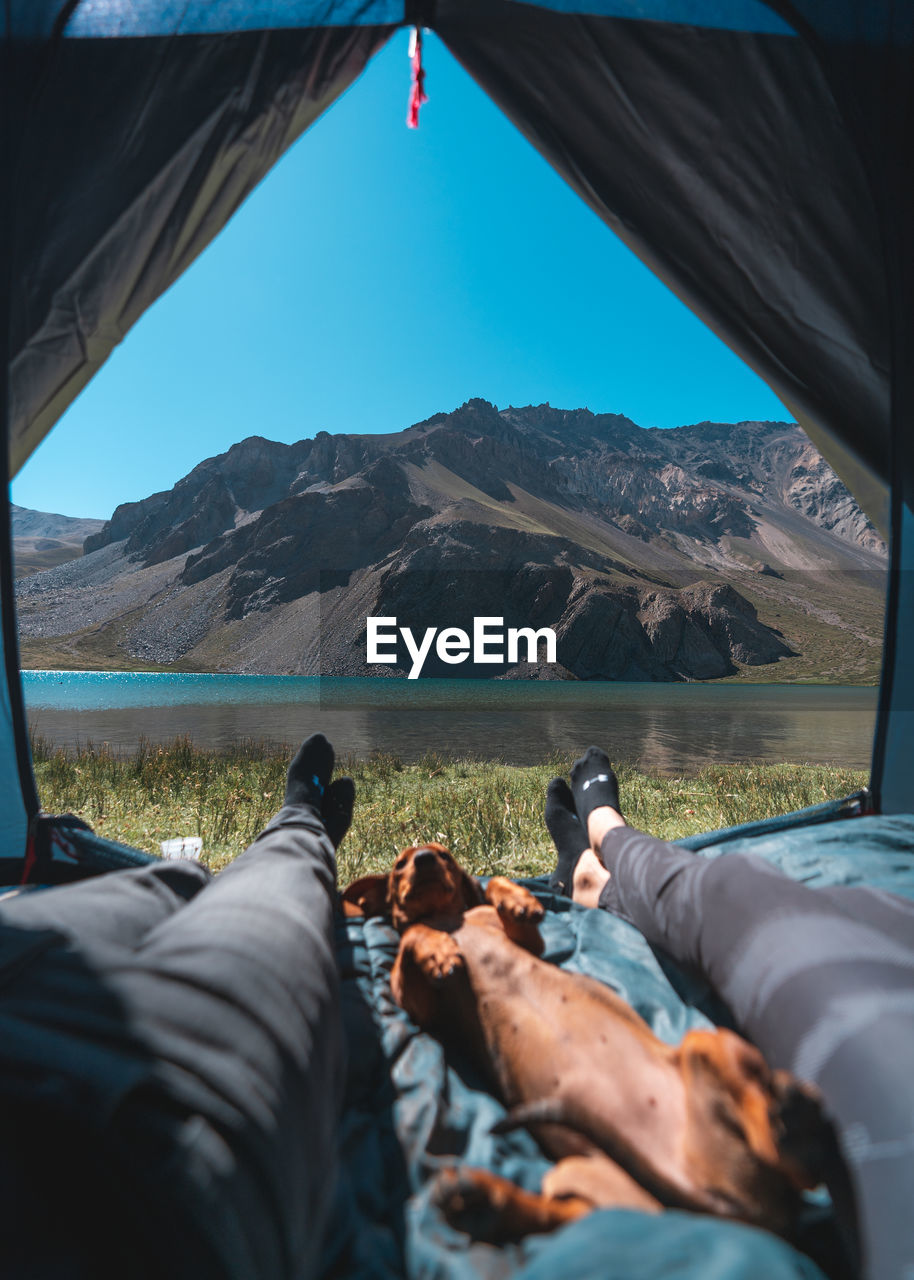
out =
column 754, row 153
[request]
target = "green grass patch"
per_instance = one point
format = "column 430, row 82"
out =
column 488, row 814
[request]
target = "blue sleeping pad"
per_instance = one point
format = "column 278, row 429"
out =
column 409, row 1112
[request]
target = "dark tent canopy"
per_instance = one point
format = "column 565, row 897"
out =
column 755, row 153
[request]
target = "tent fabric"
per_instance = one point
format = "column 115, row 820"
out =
column 13, row 815
column 410, row 1111
column 119, row 18
column 64, row 848
column 746, row 200
column 61, row 849
column 120, row 196
column 758, row 162
column 18, row 796
column 753, row 153
column 732, row 15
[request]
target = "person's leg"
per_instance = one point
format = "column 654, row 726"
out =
column 735, row 916
column 118, row 908
column 568, row 836
column 822, row 993
column 237, row 1003
column 892, row 915
column 203, row 1068
column 238, row 996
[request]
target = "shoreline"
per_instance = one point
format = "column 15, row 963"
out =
column 740, row 678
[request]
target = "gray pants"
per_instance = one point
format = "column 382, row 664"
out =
column 822, row 980
column 171, row 1067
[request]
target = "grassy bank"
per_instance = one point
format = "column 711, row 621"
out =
column 490, row 815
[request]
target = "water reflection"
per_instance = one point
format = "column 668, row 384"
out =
column 669, row 730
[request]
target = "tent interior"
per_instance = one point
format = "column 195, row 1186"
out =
column 755, row 154
column 750, row 153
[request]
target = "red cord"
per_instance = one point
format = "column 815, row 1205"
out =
column 30, row 859
column 417, row 94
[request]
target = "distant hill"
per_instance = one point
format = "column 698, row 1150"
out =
column 701, row 552
column 42, row 540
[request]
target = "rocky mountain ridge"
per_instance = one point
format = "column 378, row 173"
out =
column 42, row 539
column 691, row 553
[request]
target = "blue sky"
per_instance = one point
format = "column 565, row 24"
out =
column 380, row 275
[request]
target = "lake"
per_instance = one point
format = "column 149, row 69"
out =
column 669, row 728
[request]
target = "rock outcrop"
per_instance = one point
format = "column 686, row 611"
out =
column 653, row 555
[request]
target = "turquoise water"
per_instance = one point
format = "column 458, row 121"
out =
column 103, row 690
column 668, row 727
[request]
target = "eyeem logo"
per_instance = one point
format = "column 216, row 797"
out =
column 453, row 645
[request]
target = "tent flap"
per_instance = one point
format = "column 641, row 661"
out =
column 119, row 197
column 721, row 159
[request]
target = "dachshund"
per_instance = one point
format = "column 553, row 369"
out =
column 630, row 1120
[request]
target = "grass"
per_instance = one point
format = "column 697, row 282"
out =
column 488, row 814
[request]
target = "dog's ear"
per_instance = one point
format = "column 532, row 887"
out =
column 471, row 889
column 807, row 1142
column 366, row 897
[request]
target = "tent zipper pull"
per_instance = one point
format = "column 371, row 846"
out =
column 417, row 94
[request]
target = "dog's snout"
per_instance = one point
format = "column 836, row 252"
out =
column 425, row 884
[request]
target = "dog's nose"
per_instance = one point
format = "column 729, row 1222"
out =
column 423, row 857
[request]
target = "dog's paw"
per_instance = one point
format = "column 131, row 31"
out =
column 490, row 1208
column 514, row 902
column 441, row 966
column 435, row 954
column 472, row 1200
column 523, row 910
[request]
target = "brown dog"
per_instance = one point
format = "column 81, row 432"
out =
column 632, row 1122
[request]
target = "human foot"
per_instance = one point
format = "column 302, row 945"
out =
column 568, row 834
column 336, row 809
column 593, row 783
column 309, row 773
column 596, row 795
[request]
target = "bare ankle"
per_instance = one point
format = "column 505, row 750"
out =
column 590, row 877
column 599, row 822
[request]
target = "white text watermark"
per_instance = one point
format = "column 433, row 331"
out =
column 489, row 642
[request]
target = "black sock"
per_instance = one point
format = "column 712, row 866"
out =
column 568, row 834
column 336, row 809
column 593, row 783
column 309, row 773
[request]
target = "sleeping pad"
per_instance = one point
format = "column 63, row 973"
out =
column 410, row 1112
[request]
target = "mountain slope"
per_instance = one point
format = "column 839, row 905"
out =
column 701, row 552
column 42, row 539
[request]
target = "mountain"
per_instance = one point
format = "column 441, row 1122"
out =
column 700, row 552
column 42, row 539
